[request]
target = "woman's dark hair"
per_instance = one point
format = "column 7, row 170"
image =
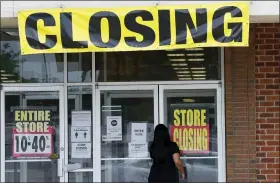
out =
column 161, row 143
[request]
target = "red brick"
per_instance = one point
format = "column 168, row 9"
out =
column 272, row 75
column 268, row 171
column 272, row 143
column 265, row 69
column 266, row 58
column 266, row 114
column 266, row 35
column 261, row 177
column 273, row 177
column 271, row 41
column 274, row 86
column 272, row 52
column 267, row 160
column 265, row 47
column 277, row 35
column 266, row 92
column 273, row 154
column 271, row 29
column 271, row 64
column 272, row 109
column 273, row 165
column 273, row 98
column 266, row 137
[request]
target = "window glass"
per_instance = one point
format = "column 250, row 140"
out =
column 37, row 68
column 191, row 116
column 79, row 67
column 163, row 65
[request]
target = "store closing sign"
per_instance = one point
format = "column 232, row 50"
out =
column 32, row 135
column 190, row 128
column 135, row 28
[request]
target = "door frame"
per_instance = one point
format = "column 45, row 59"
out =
column 97, row 132
column 220, row 116
column 62, row 150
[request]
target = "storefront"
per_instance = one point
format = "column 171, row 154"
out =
column 86, row 116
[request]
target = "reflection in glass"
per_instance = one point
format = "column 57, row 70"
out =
column 79, row 67
column 79, row 99
column 132, row 109
column 43, row 171
column 125, row 170
column 31, row 172
column 183, row 99
column 80, row 177
column 37, row 68
column 160, row 65
column 199, row 170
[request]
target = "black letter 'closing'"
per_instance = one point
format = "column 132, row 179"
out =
column 31, row 31
column 131, row 24
column 114, row 29
column 218, row 25
column 66, row 30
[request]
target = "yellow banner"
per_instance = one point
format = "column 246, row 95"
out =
column 133, row 28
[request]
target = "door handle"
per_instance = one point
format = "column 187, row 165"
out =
column 59, row 167
column 61, row 163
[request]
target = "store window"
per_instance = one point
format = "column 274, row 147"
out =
column 191, row 116
column 163, row 65
column 79, row 67
column 37, row 68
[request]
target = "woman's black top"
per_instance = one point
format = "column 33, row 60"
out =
column 164, row 170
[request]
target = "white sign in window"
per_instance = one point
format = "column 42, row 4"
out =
column 80, row 134
column 138, row 132
column 81, row 118
column 81, row 150
column 114, row 129
column 138, row 150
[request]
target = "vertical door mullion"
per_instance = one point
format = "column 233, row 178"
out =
column 64, row 90
column 156, row 106
column 62, row 150
column 221, row 164
column 97, row 145
column 2, row 138
column 161, row 104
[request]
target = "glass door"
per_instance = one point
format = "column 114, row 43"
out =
column 125, row 119
column 32, row 127
column 193, row 115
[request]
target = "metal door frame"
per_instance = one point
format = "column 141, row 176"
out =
column 97, row 132
column 63, row 150
column 220, row 117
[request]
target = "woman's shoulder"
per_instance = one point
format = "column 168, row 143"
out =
column 174, row 146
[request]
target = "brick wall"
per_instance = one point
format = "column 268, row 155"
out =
column 240, row 112
column 267, row 70
column 252, row 107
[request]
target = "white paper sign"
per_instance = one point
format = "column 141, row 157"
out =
column 81, row 150
column 80, row 134
column 114, row 129
column 81, row 118
column 137, row 150
column 138, row 132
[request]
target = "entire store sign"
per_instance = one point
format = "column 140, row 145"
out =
column 32, row 134
column 190, row 128
column 133, row 28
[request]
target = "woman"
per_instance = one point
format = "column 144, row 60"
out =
column 166, row 157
